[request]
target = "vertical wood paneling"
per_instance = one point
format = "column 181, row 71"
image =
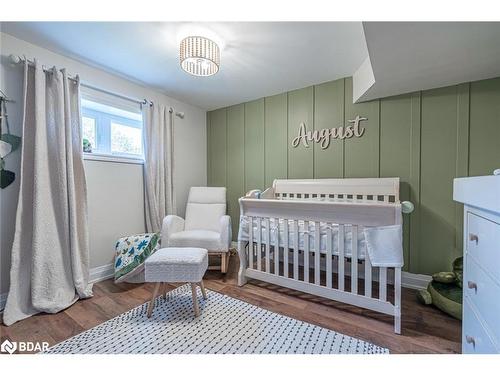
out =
column 395, row 151
column 275, row 117
column 209, row 152
column 426, row 139
column 218, row 147
column 361, row 156
column 462, row 162
column 329, row 113
column 235, row 163
column 416, row 130
column 437, row 170
column 254, row 145
column 463, row 113
column 484, row 127
column 300, row 109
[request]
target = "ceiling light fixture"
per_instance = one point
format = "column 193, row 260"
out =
column 199, row 56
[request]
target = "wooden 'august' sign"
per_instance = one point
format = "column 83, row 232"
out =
column 324, row 136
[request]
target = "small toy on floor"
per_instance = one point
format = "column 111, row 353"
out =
column 445, row 290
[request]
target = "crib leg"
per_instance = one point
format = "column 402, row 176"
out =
column 242, row 280
column 397, row 300
column 397, row 320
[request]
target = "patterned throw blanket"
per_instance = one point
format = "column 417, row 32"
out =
column 131, row 252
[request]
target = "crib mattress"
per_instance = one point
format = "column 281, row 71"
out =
column 304, row 234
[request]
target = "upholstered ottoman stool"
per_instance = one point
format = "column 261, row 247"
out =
column 177, row 265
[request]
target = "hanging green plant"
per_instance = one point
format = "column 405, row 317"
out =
column 5, row 148
column 13, row 140
column 6, row 177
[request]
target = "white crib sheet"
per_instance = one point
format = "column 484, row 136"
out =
column 243, row 235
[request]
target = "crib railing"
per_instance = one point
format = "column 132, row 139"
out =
column 355, row 189
column 338, row 197
column 328, row 273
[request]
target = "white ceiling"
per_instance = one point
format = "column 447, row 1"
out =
column 257, row 59
column 265, row 58
column 413, row 56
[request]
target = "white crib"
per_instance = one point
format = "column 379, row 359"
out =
column 299, row 230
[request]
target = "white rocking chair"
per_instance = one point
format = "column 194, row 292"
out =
column 206, row 225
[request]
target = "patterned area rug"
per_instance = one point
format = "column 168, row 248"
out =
column 226, row 326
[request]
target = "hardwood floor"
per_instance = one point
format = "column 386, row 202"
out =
column 424, row 329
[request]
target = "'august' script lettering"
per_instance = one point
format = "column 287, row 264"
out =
column 325, row 136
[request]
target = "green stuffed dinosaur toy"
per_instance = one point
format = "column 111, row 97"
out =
column 445, row 290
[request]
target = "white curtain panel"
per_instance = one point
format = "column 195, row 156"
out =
column 158, row 165
column 50, row 253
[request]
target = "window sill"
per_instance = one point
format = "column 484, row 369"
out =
column 112, row 158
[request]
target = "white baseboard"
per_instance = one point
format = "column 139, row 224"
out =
column 415, row 280
column 95, row 275
column 100, row 273
column 3, row 300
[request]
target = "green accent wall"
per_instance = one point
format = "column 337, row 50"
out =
column 300, row 109
column 253, row 143
column 217, row 131
column 275, row 141
column 484, row 144
column 361, row 155
column 329, row 109
column 235, row 157
column 425, row 138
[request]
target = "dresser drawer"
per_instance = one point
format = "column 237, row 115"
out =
column 475, row 340
column 483, row 243
column 484, row 294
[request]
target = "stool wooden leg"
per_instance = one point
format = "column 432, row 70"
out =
column 165, row 290
column 152, row 302
column 203, row 291
column 195, row 300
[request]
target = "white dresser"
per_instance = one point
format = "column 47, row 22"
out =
column 481, row 283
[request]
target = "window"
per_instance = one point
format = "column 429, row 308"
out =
column 89, row 129
column 125, row 139
column 111, row 129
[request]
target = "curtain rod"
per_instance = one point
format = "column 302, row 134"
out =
column 5, row 98
column 143, row 101
column 18, row 59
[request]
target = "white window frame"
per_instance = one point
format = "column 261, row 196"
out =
column 103, row 127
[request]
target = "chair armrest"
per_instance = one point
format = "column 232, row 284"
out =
column 225, row 232
column 171, row 224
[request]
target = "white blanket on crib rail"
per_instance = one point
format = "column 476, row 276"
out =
column 385, row 251
column 385, row 245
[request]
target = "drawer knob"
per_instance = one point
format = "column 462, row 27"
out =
column 470, row 340
column 472, row 285
column 473, row 238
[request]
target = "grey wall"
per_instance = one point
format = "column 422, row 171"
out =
column 115, row 205
column 115, row 190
